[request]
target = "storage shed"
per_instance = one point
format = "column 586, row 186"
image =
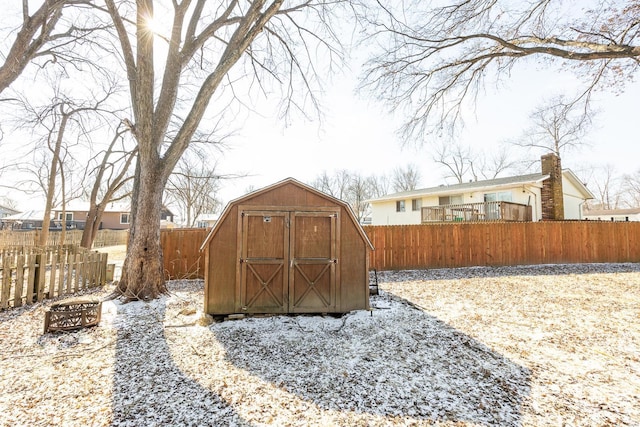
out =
column 287, row 248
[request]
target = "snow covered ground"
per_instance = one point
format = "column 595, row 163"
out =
column 523, row 346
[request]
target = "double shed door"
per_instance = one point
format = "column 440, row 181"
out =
column 288, row 261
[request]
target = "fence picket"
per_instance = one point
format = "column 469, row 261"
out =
column 52, row 275
column 31, row 267
column 6, row 282
column 19, row 288
column 36, row 273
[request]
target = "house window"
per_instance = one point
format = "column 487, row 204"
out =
column 454, row 199
column 400, row 206
column 124, row 218
column 502, row 196
column 416, row 204
column 69, row 216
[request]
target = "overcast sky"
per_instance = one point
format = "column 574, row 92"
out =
column 361, row 136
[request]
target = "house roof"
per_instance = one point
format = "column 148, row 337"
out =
column 488, row 184
column 497, row 183
column 32, row 215
column 605, row 212
column 77, row 206
column 8, row 210
column 271, row 187
column 207, row 217
column 586, row 193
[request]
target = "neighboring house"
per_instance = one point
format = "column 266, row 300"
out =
column 553, row 194
column 27, row 220
column 166, row 215
column 116, row 216
column 632, row 214
column 5, row 211
column 206, row 220
column 166, row 218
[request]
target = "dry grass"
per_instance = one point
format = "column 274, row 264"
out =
column 116, row 253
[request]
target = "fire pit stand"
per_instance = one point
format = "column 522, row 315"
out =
column 72, row 314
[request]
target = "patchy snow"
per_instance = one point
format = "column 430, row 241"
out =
column 530, row 346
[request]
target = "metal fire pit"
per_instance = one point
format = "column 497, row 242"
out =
column 71, row 314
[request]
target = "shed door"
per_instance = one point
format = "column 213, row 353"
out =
column 263, row 262
column 288, row 262
column 312, row 269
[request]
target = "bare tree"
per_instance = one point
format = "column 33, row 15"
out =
column 45, row 34
column 604, row 183
column 435, row 58
column 352, row 188
column 110, row 175
column 205, row 41
column 558, row 126
column 63, row 121
column 462, row 163
column 456, row 159
column 193, row 186
column 406, row 179
column 631, row 189
column 336, row 185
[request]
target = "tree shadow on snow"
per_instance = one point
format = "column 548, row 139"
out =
column 148, row 388
column 400, row 361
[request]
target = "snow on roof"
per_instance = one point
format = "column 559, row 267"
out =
column 32, row 215
column 78, row 206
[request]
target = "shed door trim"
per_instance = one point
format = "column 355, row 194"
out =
column 296, row 274
column 312, row 279
column 262, row 272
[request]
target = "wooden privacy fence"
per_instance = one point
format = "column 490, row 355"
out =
column 402, row 247
column 502, row 243
column 181, row 252
column 29, row 273
column 72, row 237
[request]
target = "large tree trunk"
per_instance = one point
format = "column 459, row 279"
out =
column 143, row 270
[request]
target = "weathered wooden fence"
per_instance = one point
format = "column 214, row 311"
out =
column 72, row 237
column 502, row 243
column 29, row 273
column 181, row 252
column 456, row 245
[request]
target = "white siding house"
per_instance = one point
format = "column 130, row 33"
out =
column 513, row 198
column 632, row 214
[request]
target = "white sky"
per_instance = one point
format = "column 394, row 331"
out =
column 360, row 136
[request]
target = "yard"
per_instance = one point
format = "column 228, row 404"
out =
column 532, row 346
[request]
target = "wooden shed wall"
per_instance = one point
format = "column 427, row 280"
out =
column 222, row 250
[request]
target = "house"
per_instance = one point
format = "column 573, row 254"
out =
column 116, row 216
column 206, row 220
column 632, row 214
column 552, row 194
column 28, row 220
column 6, row 211
column 286, row 248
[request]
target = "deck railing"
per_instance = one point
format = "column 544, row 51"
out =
column 485, row 211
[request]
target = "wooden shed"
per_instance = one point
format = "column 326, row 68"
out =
column 287, row 248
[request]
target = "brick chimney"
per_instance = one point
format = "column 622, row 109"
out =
column 551, row 194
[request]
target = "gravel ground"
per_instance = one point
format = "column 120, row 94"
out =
column 522, row 346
